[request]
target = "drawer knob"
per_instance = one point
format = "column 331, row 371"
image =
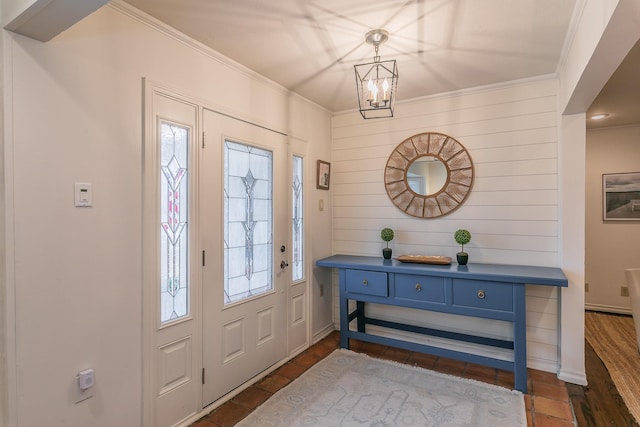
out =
column 481, row 294
column 365, row 282
column 418, row 287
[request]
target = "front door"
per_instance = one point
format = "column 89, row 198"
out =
column 243, row 224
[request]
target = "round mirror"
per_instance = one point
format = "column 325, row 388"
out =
column 428, row 175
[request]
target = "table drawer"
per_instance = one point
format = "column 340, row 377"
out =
column 367, row 282
column 486, row 295
column 420, row 288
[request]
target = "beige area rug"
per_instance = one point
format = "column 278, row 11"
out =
column 613, row 338
column 351, row 389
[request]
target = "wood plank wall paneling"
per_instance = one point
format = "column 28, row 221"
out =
column 511, row 134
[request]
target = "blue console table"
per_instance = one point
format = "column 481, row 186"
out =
column 490, row 291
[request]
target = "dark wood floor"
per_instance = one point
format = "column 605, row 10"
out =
column 599, row 404
column 549, row 402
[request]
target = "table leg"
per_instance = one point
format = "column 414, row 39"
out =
column 360, row 310
column 520, row 339
column 344, row 311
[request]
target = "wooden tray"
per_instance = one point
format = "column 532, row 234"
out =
column 425, row 259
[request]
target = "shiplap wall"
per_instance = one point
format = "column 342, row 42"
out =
column 511, row 133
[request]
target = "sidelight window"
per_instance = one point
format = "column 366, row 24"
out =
column 174, row 203
column 297, row 220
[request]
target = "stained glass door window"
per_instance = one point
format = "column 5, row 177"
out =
column 174, row 202
column 248, row 221
column 297, row 220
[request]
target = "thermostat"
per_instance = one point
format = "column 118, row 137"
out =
column 83, row 194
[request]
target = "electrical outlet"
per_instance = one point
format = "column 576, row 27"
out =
column 624, row 291
column 586, row 286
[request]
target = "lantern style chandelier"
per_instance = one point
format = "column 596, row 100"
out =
column 376, row 81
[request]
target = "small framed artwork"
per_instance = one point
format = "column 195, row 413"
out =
column 621, row 196
column 324, row 175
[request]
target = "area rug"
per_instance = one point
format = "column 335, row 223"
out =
column 352, row 389
column 613, row 338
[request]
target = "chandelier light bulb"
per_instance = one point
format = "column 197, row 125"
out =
column 376, row 81
column 385, row 89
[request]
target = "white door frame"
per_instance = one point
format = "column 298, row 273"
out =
column 298, row 293
column 149, row 285
column 191, row 326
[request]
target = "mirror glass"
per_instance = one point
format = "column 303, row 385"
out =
column 427, row 175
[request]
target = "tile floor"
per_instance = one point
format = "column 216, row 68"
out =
column 547, row 403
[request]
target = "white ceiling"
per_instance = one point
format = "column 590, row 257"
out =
column 620, row 97
column 311, row 46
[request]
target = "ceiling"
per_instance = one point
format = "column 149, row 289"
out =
column 620, row 97
column 311, row 46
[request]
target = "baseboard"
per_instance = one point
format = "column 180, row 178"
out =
column 542, row 365
column 579, row 378
column 532, row 362
column 322, row 333
column 608, row 308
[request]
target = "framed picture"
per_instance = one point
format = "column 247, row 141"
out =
column 324, row 174
column 621, row 196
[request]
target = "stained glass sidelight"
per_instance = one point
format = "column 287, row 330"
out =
column 174, row 278
column 297, row 220
column 248, row 221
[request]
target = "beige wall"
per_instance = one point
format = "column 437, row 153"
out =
column 11, row 9
column 3, row 302
column 75, row 114
column 44, row 19
column 611, row 247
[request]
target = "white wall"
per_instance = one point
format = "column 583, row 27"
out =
column 581, row 80
column 611, row 246
column 75, row 115
column 604, row 33
column 572, row 166
column 512, row 212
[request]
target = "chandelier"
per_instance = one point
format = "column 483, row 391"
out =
column 376, row 81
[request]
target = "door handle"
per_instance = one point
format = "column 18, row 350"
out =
column 283, row 265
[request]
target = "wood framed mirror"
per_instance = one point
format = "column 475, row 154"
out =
column 428, row 175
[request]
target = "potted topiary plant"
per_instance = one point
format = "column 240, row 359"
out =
column 387, row 235
column 462, row 237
